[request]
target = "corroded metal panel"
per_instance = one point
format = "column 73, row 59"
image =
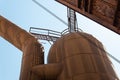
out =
column 105, row 12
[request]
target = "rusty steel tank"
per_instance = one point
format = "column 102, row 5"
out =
column 77, row 56
column 82, row 57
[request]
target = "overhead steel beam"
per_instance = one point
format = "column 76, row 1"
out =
column 116, row 13
column 105, row 15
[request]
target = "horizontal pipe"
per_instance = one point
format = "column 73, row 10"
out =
column 48, row 71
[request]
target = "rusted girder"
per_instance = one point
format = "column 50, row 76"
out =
column 104, row 12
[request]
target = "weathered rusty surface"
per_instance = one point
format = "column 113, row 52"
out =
column 14, row 34
column 74, row 56
column 82, row 57
column 105, row 12
column 32, row 50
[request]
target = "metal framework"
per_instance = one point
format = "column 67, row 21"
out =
column 45, row 34
column 51, row 35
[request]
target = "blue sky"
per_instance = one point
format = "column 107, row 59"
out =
column 26, row 14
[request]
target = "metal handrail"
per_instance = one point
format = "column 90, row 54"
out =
column 48, row 31
column 67, row 31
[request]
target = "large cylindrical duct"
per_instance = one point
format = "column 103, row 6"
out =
column 32, row 49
